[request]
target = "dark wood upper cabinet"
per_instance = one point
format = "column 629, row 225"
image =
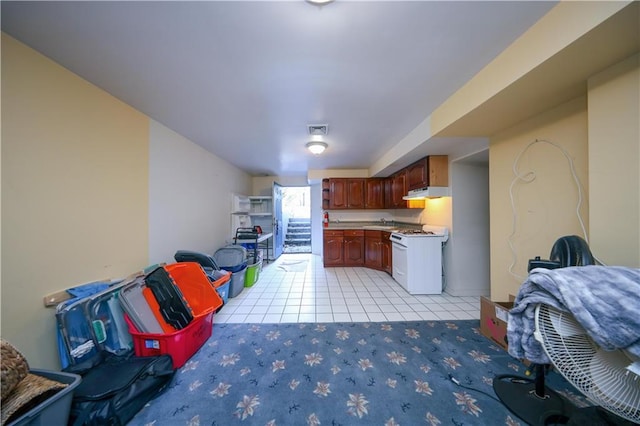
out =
column 398, row 190
column 417, row 175
column 355, row 193
column 348, row 193
column 374, row 194
column 429, row 171
column 338, row 193
column 386, row 193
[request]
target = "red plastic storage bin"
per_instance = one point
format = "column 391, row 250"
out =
column 203, row 299
column 181, row 345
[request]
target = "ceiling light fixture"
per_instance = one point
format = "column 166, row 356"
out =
column 319, row 2
column 317, row 148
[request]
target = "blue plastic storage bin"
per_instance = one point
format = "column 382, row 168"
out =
column 223, row 291
column 237, row 281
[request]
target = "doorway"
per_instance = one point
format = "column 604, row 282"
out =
column 296, row 219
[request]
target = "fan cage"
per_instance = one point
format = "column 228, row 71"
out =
column 600, row 375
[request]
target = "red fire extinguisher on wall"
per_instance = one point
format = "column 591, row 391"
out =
column 325, row 220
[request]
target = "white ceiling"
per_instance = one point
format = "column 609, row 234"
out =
column 244, row 79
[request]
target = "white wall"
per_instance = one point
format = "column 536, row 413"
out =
column 263, row 185
column 189, row 195
column 316, row 218
column 467, row 255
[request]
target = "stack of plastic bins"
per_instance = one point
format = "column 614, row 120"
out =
column 254, row 266
column 203, row 299
column 233, row 258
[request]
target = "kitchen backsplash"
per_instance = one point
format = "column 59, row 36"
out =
column 375, row 215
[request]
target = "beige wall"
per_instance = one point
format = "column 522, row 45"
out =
column 537, row 89
column 74, row 192
column 545, row 209
column 603, row 140
column 614, row 163
column 567, row 22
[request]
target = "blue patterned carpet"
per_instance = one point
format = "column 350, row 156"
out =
column 396, row 373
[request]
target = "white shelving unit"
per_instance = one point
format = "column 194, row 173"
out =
column 260, row 204
column 240, row 206
column 261, row 214
column 261, row 211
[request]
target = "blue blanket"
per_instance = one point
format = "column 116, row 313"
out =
column 605, row 300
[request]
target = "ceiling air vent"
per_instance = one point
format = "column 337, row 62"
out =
column 318, row 129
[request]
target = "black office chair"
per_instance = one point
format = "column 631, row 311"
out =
column 528, row 398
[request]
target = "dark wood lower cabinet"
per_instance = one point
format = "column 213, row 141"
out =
column 373, row 249
column 387, row 264
column 353, row 248
column 358, row 248
column 333, row 253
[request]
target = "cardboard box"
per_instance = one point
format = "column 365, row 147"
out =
column 493, row 320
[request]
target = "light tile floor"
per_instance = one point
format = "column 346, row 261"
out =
column 298, row 288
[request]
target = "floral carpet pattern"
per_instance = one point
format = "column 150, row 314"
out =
column 396, row 373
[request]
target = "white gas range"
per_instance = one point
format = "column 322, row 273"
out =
column 417, row 258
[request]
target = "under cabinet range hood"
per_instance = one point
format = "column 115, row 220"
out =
column 427, row 192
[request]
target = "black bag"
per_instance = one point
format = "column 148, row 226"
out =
column 112, row 392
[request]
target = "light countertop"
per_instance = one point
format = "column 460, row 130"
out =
column 375, row 226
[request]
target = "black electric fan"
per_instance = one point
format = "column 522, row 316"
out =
column 577, row 358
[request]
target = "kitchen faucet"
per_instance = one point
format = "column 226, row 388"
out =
column 383, row 220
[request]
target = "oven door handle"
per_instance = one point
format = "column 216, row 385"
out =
column 399, row 246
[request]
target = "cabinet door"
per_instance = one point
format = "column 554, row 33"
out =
column 373, row 250
column 355, row 193
column 399, row 190
column 438, row 170
column 333, row 248
column 337, row 193
column 417, row 175
column 388, row 195
column 374, row 194
column 353, row 251
column 387, row 264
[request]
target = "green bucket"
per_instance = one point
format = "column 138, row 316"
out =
column 252, row 274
